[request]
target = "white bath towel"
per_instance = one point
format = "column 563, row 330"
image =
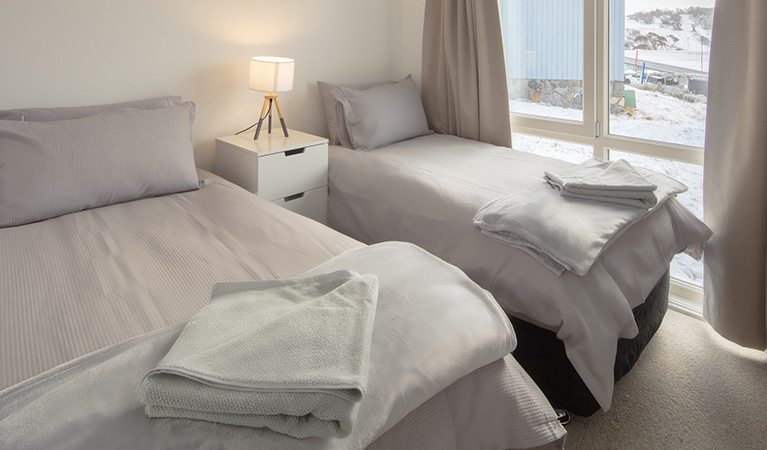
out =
column 289, row 355
column 606, row 181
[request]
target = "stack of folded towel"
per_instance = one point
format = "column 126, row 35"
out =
column 288, row 355
column 605, row 181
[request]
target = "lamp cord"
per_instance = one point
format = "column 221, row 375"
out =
column 268, row 111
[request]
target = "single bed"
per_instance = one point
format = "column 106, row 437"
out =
column 427, row 189
column 107, row 278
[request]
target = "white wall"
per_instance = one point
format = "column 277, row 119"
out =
column 411, row 31
column 79, row 52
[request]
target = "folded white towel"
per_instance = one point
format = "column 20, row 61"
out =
column 289, row 355
column 605, row 181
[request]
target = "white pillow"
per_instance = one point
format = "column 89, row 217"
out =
column 48, row 169
column 383, row 114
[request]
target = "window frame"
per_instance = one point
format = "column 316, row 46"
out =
column 594, row 130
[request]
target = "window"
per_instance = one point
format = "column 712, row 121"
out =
column 617, row 78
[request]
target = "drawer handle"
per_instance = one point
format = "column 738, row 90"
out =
column 294, row 152
column 290, row 198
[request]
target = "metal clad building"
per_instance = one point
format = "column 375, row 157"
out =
column 543, row 39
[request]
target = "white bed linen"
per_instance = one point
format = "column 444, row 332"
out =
column 426, row 190
column 79, row 282
column 566, row 233
column 77, row 287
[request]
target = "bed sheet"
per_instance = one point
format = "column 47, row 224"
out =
column 427, row 190
column 80, row 283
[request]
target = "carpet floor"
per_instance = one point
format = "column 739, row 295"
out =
column 690, row 389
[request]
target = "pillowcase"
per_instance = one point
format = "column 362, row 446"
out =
column 78, row 112
column 52, row 168
column 337, row 133
column 382, row 115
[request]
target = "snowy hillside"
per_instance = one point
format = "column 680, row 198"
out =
column 679, row 38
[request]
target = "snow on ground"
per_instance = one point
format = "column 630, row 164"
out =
column 658, row 117
column 566, row 151
column 539, row 109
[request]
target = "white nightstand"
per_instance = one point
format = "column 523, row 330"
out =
column 289, row 171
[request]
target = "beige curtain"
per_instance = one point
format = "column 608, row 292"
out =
column 463, row 71
column 735, row 185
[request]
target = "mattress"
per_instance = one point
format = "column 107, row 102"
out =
column 427, row 190
column 78, row 284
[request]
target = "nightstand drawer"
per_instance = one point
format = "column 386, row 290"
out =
column 293, row 171
column 312, row 204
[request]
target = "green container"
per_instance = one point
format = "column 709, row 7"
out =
column 630, row 98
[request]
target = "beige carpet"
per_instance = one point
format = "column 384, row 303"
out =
column 690, row 389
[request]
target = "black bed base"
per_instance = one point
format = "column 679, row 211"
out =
column 543, row 355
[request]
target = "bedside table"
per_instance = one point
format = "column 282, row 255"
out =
column 289, row 171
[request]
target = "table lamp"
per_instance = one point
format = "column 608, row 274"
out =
column 271, row 74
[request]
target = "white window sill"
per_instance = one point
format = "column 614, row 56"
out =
column 686, row 298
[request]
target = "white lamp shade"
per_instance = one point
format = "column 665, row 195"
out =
column 271, row 73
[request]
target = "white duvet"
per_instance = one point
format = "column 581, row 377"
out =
column 565, row 233
column 427, row 190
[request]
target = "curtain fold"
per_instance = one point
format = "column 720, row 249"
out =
column 463, row 71
column 735, row 168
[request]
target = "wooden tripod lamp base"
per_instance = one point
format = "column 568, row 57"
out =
column 271, row 74
column 270, row 100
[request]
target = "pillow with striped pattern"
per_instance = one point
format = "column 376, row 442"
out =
column 78, row 112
